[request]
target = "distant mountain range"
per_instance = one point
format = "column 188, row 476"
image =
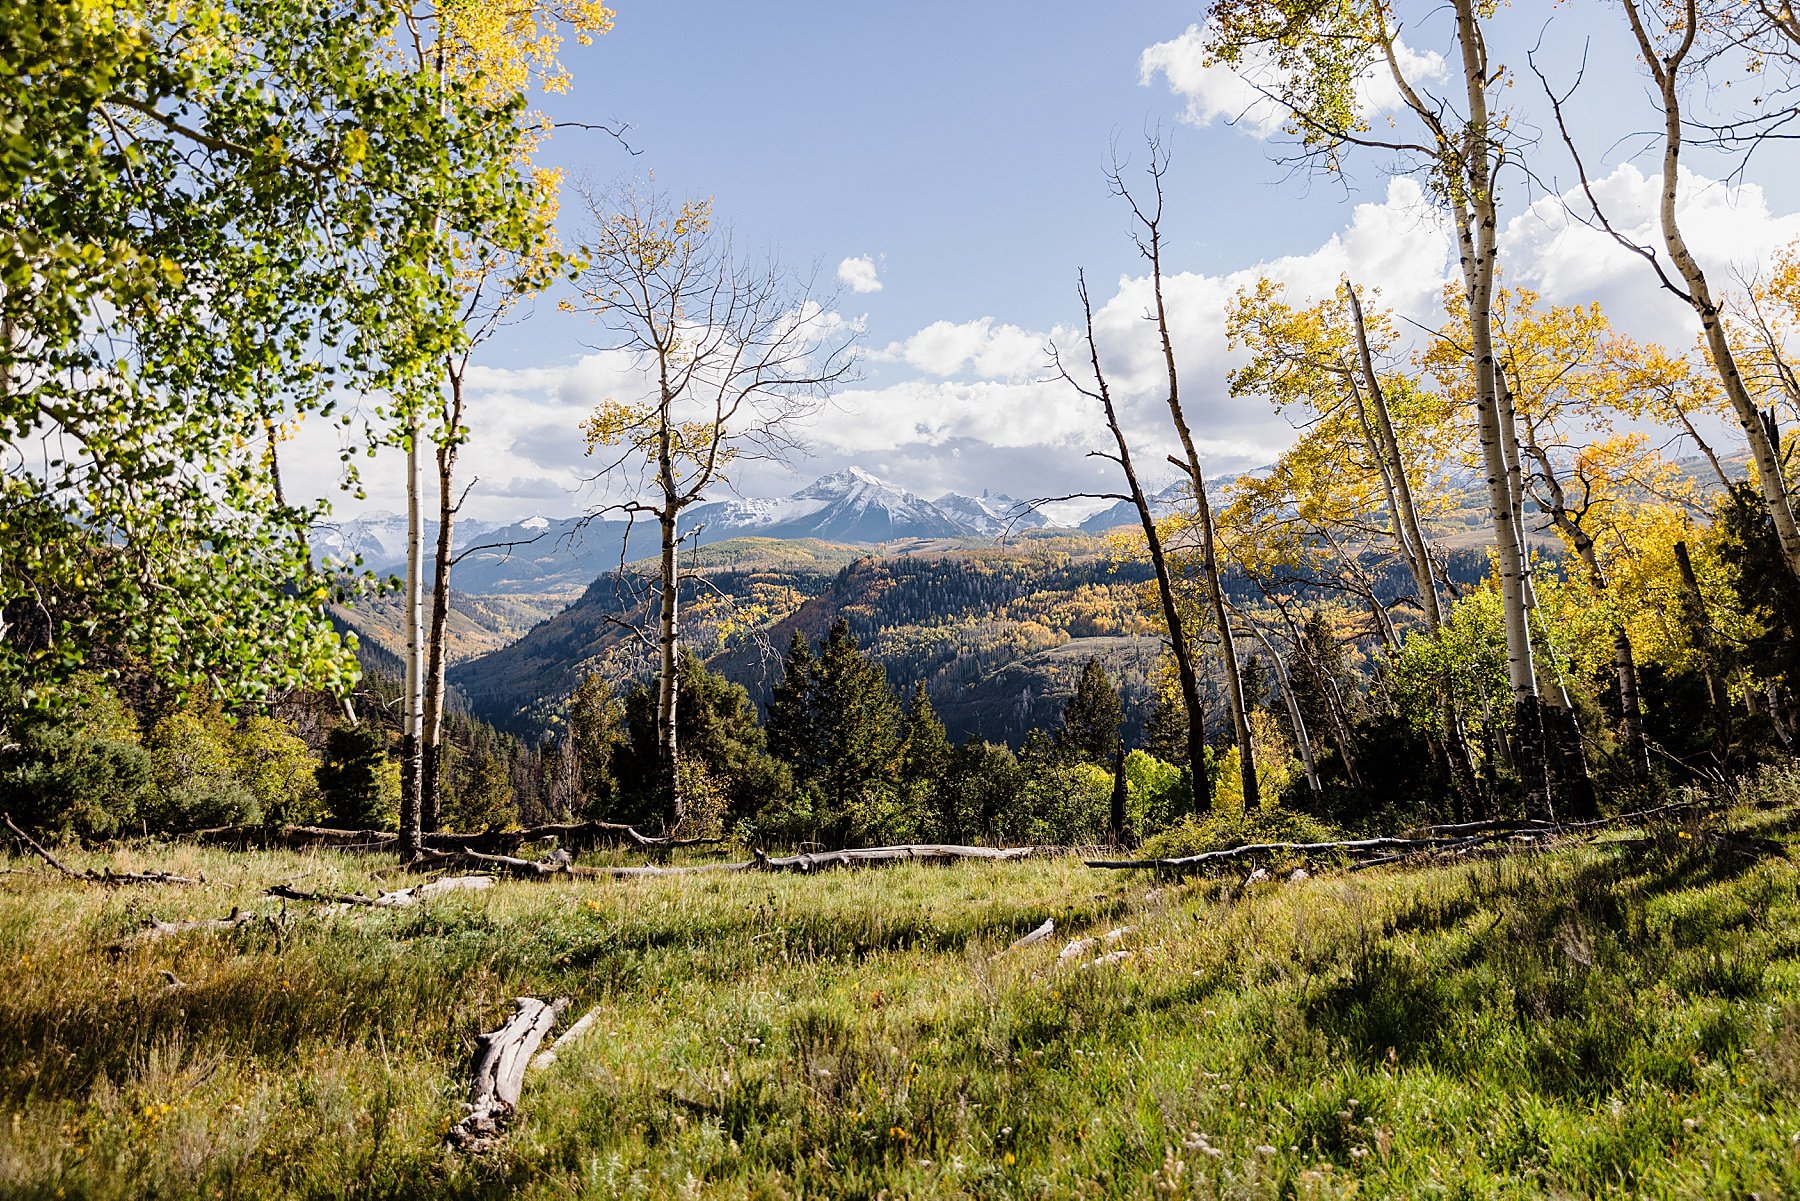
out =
column 560, row 557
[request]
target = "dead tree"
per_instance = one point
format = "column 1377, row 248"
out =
column 1180, row 648
column 734, row 353
column 1148, row 237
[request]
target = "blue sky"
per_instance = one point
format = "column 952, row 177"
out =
column 959, row 148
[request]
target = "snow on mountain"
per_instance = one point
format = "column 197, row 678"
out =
column 845, row 506
column 380, row 538
column 560, row 556
column 992, row 513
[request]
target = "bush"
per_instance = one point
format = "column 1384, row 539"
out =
column 62, row 780
column 1229, row 826
column 279, row 770
column 200, row 803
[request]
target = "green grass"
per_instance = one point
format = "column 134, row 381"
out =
column 1589, row 1022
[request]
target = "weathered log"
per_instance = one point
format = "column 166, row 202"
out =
column 90, row 876
column 399, row 898
column 574, row 835
column 545, row 1058
column 157, row 929
column 1197, row 863
column 1076, row 948
column 498, row 1073
column 868, row 856
column 1036, row 936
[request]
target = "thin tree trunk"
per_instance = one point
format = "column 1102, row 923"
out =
column 1395, row 478
column 1665, row 70
column 431, row 782
column 1301, row 741
column 1477, row 223
column 1179, row 646
column 668, row 693
column 1209, row 561
column 412, row 728
column 1701, row 625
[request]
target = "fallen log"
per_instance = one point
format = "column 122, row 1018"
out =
column 1196, row 863
column 109, row 878
column 1036, row 936
column 155, row 930
column 572, row 835
column 545, row 1058
column 498, row 1073
column 399, row 898
column 868, row 856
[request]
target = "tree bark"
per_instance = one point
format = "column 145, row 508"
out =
column 413, row 719
column 498, row 1073
column 1186, row 675
column 1190, row 466
column 431, row 766
column 1477, row 226
column 1665, row 71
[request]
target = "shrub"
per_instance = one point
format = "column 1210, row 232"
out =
column 279, row 770
column 1229, row 826
column 202, row 802
column 62, row 780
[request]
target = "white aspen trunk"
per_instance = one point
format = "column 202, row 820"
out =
column 1666, row 71
column 412, row 729
column 1385, row 445
column 1477, row 223
column 431, row 751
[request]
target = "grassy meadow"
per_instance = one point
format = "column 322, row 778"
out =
column 1594, row 1021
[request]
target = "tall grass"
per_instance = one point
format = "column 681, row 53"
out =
column 1593, row 1021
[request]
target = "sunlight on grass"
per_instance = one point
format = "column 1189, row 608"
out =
column 1583, row 1022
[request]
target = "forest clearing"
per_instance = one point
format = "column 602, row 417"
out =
column 1617, row 1015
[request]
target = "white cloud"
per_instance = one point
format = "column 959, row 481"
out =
column 969, row 404
column 989, row 349
column 858, row 274
column 1731, row 230
column 1214, row 91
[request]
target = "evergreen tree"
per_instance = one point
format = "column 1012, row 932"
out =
column 834, row 720
column 1165, row 734
column 721, row 738
column 1090, row 721
column 350, row 777
column 858, row 721
column 793, row 725
column 924, row 760
column 595, row 730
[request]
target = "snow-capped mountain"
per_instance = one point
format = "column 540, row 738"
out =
column 1125, row 513
column 543, row 556
column 992, row 513
column 845, row 506
column 380, row 538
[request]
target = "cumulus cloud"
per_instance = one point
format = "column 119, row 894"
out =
column 1214, row 91
column 858, row 274
column 988, row 349
column 972, row 404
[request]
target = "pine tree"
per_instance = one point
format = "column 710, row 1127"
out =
column 858, row 721
column 925, row 759
column 595, row 721
column 1090, row 721
column 350, row 777
column 792, row 727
